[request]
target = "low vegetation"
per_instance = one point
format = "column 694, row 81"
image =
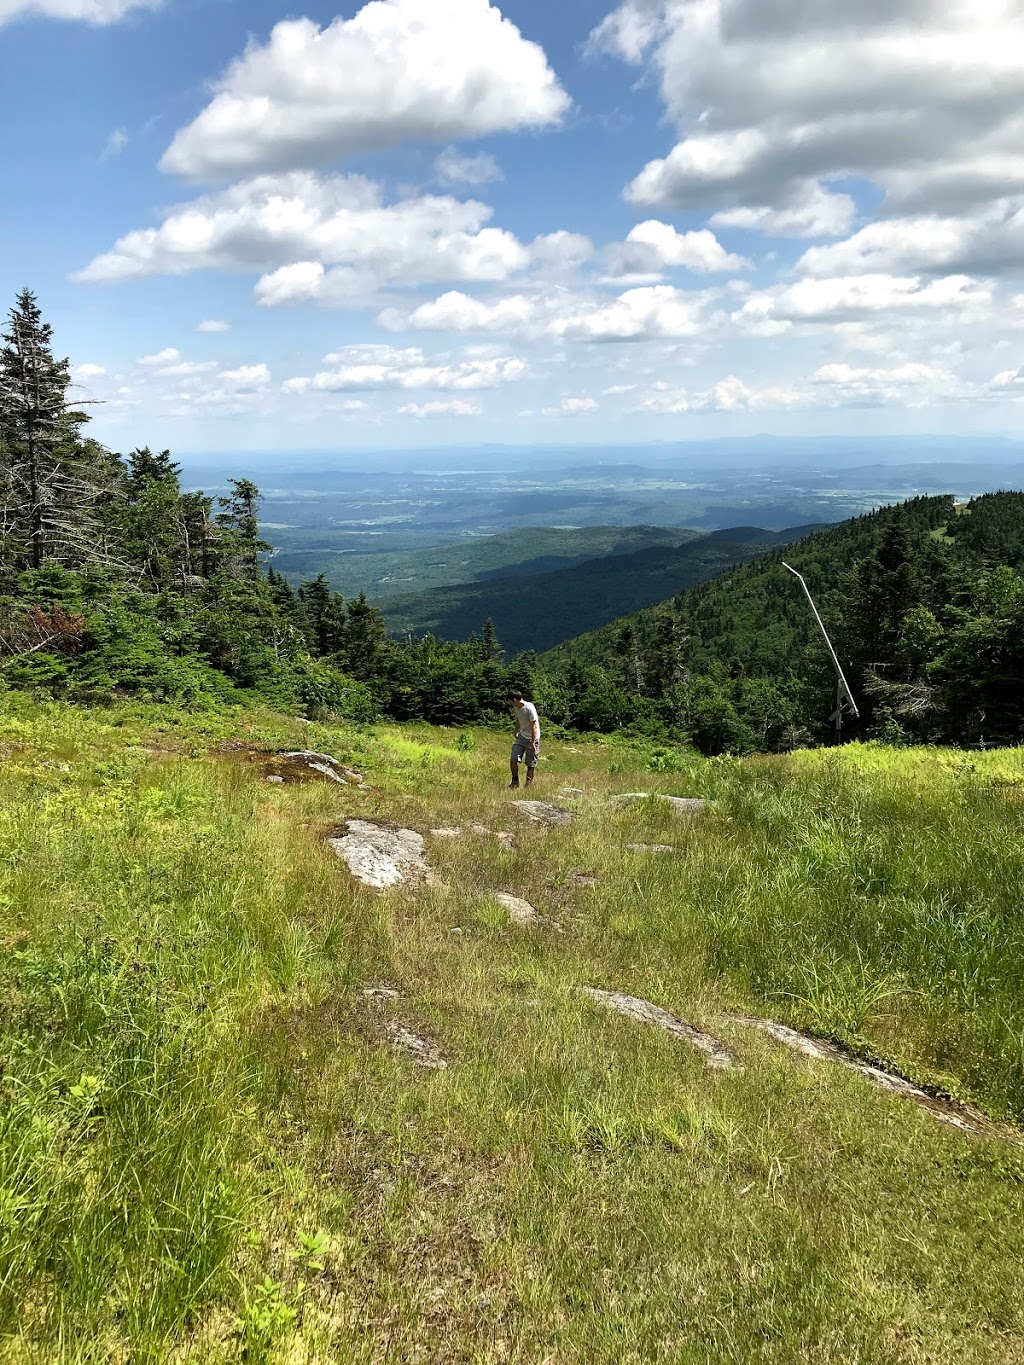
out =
column 210, row 1150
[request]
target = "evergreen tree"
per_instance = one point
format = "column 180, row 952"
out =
column 240, row 545
column 150, row 520
column 364, row 638
column 48, row 489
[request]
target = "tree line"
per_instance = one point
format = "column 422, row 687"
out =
column 115, row 580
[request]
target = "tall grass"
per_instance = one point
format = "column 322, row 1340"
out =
column 209, row 1152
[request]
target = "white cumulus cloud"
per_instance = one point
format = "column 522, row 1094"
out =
column 86, row 11
column 295, row 226
column 851, row 297
column 213, row 325
column 455, row 408
column 730, row 394
column 776, row 100
column 654, row 246
column 651, row 311
column 466, row 168
column 246, row 377
column 571, row 407
column 441, row 70
column 362, row 368
column 912, row 384
column 991, row 241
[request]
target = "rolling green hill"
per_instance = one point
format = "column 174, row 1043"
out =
column 466, row 559
column 754, row 617
column 554, row 606
column 925, row 603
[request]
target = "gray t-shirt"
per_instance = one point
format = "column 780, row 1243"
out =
column 525, row 716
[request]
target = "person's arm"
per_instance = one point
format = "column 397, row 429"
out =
column 535, row 732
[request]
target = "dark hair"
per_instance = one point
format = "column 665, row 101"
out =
column 515, row 695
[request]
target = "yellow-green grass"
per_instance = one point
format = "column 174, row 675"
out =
column 209, row 1152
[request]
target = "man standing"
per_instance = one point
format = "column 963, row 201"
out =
column 526, row 744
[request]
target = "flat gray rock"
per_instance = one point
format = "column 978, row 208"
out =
column 822, row 1050
column 680, row 805
column 714, row 1051
column 520, row 912
column 381, row 993
column 650, row 848
column 540, row 813
column 419, row 1049
column 566, row 792
column 382, row 857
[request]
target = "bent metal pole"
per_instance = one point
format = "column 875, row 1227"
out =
column 844, row 686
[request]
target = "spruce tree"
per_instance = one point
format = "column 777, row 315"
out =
column 48, row 484
column 240, row 542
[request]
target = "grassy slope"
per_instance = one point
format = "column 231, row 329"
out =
column 553, row 607
column 194, row 1081
column 530, row 550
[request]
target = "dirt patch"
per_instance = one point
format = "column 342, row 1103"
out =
column 946, row 1111
column 305, row 765
column 381, row 993
column 714, row 1050
column 382, row 856
column 419, row 1049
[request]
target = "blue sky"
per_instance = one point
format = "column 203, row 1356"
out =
column 445, row 222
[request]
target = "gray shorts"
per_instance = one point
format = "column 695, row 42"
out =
column 523, row 749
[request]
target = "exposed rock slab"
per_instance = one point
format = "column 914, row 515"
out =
column 381, row 857
column 820, row 1049
column 419, row 1049
column 540, row 813
column 714, row 1050
column 520, row 912
column 679, row 805
column 567, row 792
column 650, row 848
